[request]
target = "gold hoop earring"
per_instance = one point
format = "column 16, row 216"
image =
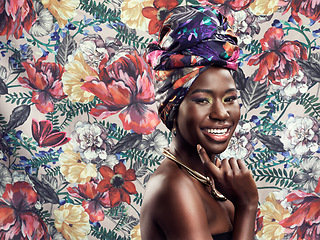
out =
column 174, row 128
column 174, row 131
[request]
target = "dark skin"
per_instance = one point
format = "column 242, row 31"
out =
column 176, row 205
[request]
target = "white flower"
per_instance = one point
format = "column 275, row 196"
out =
column 44, row 23
column 92, row 142
column 301, row 136
column 240, row 145
column 94, row 50
column 309, row 173
column 5, row 178
column 293, row 87
column 154, row 143
column 20, row 177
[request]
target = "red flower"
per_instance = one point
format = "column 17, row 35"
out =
column 226, row 7
column 278, row 59
column 45, row 137
column 45, row 80
column 16, row 16
column 158, row 13
column 17, row 219
column 305, row 220
column 97, row 200
column 308, row 8
column 126, row 86
column 118, row 183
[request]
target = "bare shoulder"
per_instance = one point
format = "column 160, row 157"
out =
column 172, row 202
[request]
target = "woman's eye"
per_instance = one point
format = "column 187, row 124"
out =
column 230, row 99
column 201, row 100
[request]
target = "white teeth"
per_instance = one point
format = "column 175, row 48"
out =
column 217, row 131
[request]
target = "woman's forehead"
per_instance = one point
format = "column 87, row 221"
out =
column 214, row 78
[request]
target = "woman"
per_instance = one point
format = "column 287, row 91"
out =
column 193, row 195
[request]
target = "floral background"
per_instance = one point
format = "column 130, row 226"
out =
column 79, row 131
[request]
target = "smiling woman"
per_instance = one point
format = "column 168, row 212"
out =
column 193, row 195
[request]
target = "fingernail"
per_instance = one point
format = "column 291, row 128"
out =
column 199, row 148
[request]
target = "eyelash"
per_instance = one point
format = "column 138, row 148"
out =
column 201, row 100
column 205, row 100
column 230, row 99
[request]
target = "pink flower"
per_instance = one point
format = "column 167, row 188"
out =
column 305, row 219
column 278, row 59
column 16, row 16
column 17, row 219
column 125, row 86
column 45, row 79
column 45, row 137
column 95, row 200
column 308, row 8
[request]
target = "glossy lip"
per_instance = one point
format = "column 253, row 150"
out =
column 217, row 137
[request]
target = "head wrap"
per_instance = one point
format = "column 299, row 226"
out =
column 191, row 39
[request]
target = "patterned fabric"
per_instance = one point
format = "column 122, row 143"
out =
column 192, row 38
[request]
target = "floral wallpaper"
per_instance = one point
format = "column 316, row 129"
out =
column 79, row 131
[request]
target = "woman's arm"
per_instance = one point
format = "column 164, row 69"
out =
column 233, row 179
column 172, row 203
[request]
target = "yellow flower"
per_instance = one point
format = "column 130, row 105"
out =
column 62, row 10
column 131, row 13
column 72, row 221
column 272, row 212
column 74, row 170
column 73, row 78
column 135, row 233
column 263, row 7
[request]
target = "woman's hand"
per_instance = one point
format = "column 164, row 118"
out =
column 233, row 179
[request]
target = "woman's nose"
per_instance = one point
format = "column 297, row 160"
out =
column 219, row 111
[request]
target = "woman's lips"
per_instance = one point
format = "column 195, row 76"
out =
column 217, row 134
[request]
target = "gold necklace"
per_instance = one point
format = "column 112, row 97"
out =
column 204, row 180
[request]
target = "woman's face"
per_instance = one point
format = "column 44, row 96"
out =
column 210, row 111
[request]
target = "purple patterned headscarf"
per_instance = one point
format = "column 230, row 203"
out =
column 192, row 39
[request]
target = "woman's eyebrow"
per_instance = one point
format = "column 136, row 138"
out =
column 211, row 92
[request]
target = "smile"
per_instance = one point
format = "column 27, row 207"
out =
column 217, row 131
column 217, row 134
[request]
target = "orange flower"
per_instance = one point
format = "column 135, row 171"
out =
column 16, row 16
column 118, row 183
column 278, row 59
column 17, row 217
column 158, row 13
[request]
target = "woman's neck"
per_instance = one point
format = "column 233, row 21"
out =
column 187, row 154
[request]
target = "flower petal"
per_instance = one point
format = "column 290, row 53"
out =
column 32, row 227
column 124, row 196
column 129, row 175
column 35, row 130
column 94, row 209
column 129, row 187
column 115, row 197
column 7, row 216
column 55, row 139
column 120, row 168
column 43, row 101
column 103, row 111
column 106, row 172
column 150, row 12
column 140, row 118
column 104, row 185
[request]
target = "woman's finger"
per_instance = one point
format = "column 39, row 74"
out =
column 242, row 165
column 234, row 166
column 218, row 162
column 213, row 169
